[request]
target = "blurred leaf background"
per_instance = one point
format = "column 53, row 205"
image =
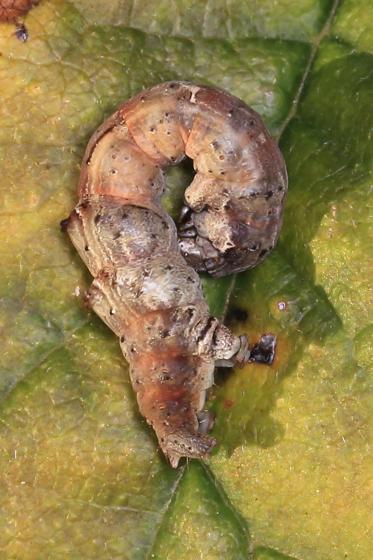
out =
column 81, row 474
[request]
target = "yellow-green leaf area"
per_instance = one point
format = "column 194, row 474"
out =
column 220, row 19
column 354, row 24
column 200, row 524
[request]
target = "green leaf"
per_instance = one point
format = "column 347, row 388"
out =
column 82, row 476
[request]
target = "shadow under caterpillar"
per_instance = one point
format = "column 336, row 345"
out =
column 145, row 285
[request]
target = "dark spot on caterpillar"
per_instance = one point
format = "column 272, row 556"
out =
column 210, row 264
column 214, row 337
column 64, row 224
column 117, row 235
column 206, row 328
column 86, row 248
column 97, row 218
column 269, row 194
column 112, row 311
column 190, row 313
column 104, row 274
column 122, row 339
column 164, row 333
column 263, row 252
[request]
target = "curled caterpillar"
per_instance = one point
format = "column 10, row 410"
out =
column 145, row 285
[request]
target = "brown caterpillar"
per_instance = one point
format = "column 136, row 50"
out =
column 144, row 287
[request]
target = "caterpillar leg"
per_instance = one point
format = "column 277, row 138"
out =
column 197, row 250
column 230, row 350
column 263, row 352
column 206, row 420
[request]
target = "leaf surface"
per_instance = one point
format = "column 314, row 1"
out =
column 291, row 477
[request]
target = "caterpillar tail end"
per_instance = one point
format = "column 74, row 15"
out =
column 192, row 446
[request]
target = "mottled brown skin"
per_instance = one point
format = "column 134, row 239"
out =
column 11, row 10
column 144, row 287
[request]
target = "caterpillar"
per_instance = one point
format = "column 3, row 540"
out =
column 146, row 287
